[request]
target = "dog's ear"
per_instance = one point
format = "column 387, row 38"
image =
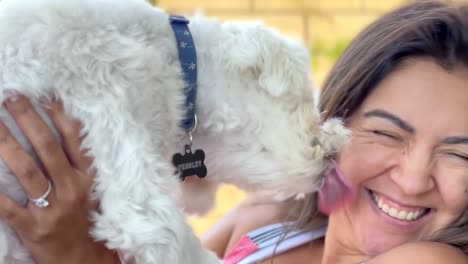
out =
column 280, row 64
column 284, row 64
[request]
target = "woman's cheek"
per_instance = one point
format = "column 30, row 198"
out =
column 452, row 183
column 364, row 158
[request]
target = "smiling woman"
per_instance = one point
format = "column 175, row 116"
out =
column 401, row 158
column 405, row 102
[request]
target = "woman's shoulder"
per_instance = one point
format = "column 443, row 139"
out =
column 422, row 252
column 260, row 209
column 253, row 213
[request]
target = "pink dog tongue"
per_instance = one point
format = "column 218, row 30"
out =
column 336, row 192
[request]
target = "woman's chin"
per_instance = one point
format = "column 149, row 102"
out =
column 378, row 232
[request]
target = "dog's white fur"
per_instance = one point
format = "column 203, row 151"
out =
column 114, row 64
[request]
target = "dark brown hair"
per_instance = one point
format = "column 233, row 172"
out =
column 423, row 29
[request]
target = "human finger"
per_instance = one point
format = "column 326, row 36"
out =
column 14, row 215
column 40, row 136
column 21, row 164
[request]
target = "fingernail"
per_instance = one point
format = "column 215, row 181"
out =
column 12, row 95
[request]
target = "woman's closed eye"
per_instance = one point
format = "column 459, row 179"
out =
column 386, row 134
column 459, row 155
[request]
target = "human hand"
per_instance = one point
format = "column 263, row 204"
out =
column 58, row 233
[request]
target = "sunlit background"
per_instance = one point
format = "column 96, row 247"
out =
column 325, row 26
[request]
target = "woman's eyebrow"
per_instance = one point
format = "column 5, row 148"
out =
column 456, row 140
column 392, row 118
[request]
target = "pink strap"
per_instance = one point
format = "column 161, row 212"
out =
column 243, row 248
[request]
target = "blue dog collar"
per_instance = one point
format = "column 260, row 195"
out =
column 188, row 62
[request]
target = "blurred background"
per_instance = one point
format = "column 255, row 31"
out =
column 325, row 26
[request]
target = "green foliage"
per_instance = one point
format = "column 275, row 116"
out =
column 153, row 2
column 328, row 50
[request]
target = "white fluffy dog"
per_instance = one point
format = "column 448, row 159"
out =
column 115, row 66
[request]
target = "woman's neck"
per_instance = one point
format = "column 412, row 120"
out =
column 339, row 243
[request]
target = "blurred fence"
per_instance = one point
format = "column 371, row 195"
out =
column 326, row 26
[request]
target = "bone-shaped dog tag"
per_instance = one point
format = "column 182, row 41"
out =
column 190, row 163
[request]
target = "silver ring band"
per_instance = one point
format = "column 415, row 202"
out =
column 41, row 201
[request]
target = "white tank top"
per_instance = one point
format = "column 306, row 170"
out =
column 262, row 243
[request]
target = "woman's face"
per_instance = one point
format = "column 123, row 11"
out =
column 408, row 157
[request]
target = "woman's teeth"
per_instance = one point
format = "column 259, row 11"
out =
column 401, row 215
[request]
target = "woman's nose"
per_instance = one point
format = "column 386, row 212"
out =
column 414, row 174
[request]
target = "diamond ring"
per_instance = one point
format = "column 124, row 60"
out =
column 42, row 202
